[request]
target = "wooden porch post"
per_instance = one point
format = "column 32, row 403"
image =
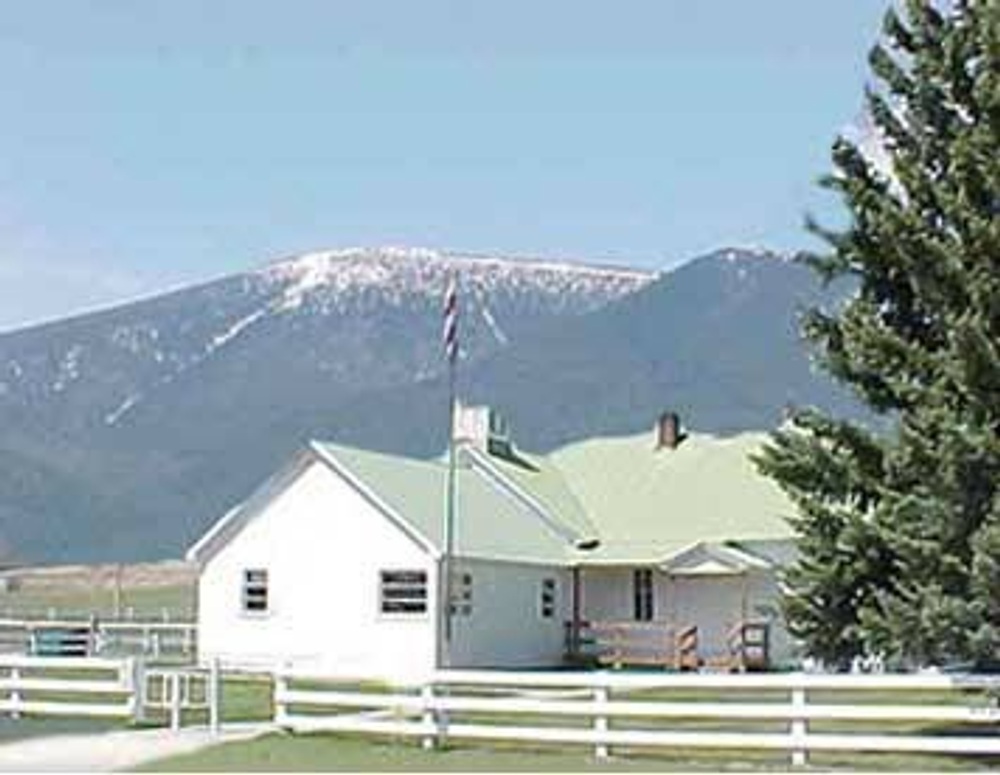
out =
column 574, row 632
column 743, row 620
column 744, row 579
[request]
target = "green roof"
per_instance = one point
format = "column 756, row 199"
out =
column 489, row 523
column 544, row 481
column 644, row 505
column 647, row 504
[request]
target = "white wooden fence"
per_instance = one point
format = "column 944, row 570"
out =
column 177, row 689
column 605, row 709
column 70, row 686
column 119, row 638
column 105, row 687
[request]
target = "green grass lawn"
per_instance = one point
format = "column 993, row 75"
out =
column 22, row 728
column 339, row 753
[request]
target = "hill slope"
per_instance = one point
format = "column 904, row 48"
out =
column 125, row 433
column 127, row 429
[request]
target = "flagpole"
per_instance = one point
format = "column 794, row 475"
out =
column 451, row 351
column 449, row 521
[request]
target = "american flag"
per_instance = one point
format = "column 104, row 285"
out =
column 449, row 333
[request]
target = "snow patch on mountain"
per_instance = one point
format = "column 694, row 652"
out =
column 495, row 329
column 400, row 272
column 234, row 330
column 116, row 414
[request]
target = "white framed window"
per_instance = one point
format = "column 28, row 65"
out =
column 461, row 594
column 547, row 600
column 254, row 591
column 642, row 590
column 402, row 592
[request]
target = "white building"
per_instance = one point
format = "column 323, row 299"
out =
column 334, row 564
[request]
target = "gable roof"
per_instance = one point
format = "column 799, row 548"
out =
column 644, row 507
column 649, row 504
column 489, row 522
column 708, row 559
column 540, row 486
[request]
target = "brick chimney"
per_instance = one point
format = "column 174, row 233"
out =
column 668, row 431
column 484, row 428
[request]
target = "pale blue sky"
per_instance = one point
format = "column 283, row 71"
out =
column 148, row 144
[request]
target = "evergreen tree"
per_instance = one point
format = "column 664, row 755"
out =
column 899, row 530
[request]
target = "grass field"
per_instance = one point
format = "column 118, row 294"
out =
column 19, row 729
column 175, row 603
column 342, row 753
column 141, row 591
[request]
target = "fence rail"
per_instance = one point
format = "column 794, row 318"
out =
column 175, row 690
column 634, row 710
column 106, row 687
column 147, row 638
column 85, row 686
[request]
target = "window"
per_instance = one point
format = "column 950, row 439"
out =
column 403, row 591
column 255, row 591
column 461, row 595
column 548, row 599
column 642, row 586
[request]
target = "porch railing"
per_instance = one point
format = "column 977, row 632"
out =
column 619, row 644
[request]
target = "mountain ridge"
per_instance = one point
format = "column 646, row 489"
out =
column 125, row 433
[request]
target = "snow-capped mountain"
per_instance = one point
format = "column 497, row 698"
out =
column 94, row 407
column 124, row 433
column 359, row 317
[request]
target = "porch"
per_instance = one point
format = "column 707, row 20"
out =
column 708, row 606
column 619, row 644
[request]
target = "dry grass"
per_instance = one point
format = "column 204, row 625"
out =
column 142, row 591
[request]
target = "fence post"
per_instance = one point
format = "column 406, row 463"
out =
column 175, row 701
column 601, row 749
column 214, row 696
column 798, row 727
column 135, row 670
column 280, row 707
column 15, row 693
column 429, row 717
